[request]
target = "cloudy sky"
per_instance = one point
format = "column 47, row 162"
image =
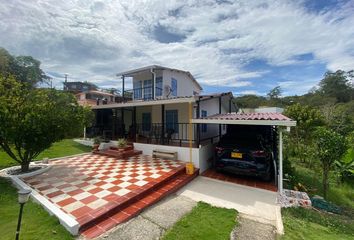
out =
column 247, row 47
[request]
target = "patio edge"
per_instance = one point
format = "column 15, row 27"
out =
column 68, row 222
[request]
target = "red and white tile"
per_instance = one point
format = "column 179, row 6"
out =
column 82, row 184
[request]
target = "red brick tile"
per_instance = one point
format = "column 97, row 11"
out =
column 114, row 189
column 111, row 197
column 95, row 190
column 93, row 232
column 81, row 211
column 66, row 202
column 54, row 194
column 75, row 192
column 89, row 199
column 81, row 185
column 107, row 224
column 100, row 183
column 120, row 217
column 64, row 186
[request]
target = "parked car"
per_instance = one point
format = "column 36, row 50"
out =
column 245, row 151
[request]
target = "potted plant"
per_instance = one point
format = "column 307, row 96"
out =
column 121, row 143
column 96, row 143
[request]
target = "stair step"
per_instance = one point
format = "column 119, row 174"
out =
column 137, row 206
column 116, row 205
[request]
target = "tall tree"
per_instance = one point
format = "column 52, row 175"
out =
column 25, row 69
column 331, row 147
column 338, row 85
column 275, row 93
column 32, row 119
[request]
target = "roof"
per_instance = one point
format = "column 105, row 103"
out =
column 130, row 73
column 271, row 119
column 97, row 92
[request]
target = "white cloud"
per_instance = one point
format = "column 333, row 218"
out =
column 93, row 40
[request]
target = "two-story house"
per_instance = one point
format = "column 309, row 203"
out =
column 158, row 111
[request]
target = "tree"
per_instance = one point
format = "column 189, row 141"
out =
column 32, row 119
column 275, row 93
column 25, row 69
column 307, row 119
column 330, row 147
column 338, row 85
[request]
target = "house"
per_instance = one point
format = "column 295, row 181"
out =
column 77, row 87
column 95, row 97
column 166, row 110
column 158, row 114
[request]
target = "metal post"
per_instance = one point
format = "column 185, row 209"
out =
column 219, row 113
column 163, row 124
column 123, row 88
column 134, row 124
column 19, row 222
column 198, row 124
column 122, row 123
column 280, row 186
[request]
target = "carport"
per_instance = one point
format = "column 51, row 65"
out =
column 276, row 120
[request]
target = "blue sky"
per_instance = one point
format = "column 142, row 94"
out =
column 247, row 47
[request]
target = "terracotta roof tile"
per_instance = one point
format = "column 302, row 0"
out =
column 249, row 116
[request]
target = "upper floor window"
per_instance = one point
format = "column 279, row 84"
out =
column 174, row 87
column 147, row 89
column 137, row 88
column 158, row 86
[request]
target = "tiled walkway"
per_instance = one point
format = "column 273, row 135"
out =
column 82, row 186
column 248, row 181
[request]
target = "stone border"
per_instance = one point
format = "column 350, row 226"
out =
column 68, row 222
column 45, row 167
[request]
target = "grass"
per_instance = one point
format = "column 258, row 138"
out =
column 300, row 223
column 204, row 222
column 59, row 149
column 36, row 222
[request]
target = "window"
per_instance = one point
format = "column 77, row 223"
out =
column 158, row 87
column 137, row 88
column 147, row 89
column 204, row 126
column 172, row 121
column 174, row 87
column 146, row 126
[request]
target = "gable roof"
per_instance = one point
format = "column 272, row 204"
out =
column 131, row 73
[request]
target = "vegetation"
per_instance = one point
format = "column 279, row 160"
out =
column 25, row 69
column 63, row 148
column 204, row 222
column 302, row 223
column 32, row 119
column 121, row 142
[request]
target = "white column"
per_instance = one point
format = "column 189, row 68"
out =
column 280, row 183
column 84, row 132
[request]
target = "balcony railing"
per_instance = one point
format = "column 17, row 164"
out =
column 144, row 93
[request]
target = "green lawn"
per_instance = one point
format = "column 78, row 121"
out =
column 300, row 223
column 36, row 222
column 59, row 149
column 204, row 222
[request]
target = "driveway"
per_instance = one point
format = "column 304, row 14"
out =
column 253, row 203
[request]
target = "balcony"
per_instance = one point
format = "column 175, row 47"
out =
column 144, row 93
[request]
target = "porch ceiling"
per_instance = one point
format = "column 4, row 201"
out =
column 147, row 103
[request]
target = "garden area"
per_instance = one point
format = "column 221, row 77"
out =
column 37, row 223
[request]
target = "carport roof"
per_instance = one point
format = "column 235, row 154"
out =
column 270, row 119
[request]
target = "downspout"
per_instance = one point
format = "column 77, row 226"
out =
column 154, row 83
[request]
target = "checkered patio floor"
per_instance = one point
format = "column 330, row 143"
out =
column 83, row 185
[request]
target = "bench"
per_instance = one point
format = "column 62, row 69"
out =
column 164, row 154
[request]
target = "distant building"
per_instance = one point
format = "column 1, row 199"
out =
column 77, row 87
column 262, row 110
column 94, row 97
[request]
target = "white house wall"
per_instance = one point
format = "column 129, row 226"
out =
column 185, row 85
column 200, row 156
column 212, row 107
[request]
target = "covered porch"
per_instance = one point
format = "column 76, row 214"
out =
column 160, row 122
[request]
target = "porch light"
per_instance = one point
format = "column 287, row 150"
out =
column 23, row 196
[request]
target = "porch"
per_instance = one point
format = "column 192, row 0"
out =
column 151, row 123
